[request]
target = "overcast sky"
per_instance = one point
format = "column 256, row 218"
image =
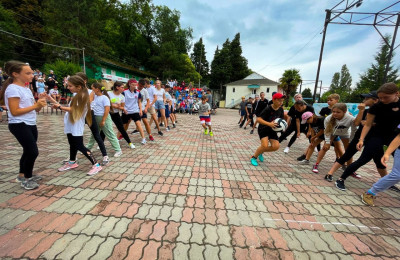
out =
column 272, row 32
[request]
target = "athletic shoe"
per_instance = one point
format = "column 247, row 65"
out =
column 261, row 158
column 305, row 161
column 34, row 178
column 211, row 133
column 286, row 150
column 252, row 132
column 135, row 132
column 168, row 128
column 155, row 127
column 132, row 146
column 98, row 148
column 355, row 175
column 206, row 131
column 144, row 141
column 118, row 154
column 161, row 124
column 244, row 128
column 160, row 133
column 151, row 138
column 105, row 161
column 315, row 169
column 315, row 150
column 29, row 184
column 328, row 177
column 240, row 126
column 254, row 161
column 120, row 137
column 394, row 188
column 176, row 122
column 368, row 199
column 340, row 185
column 173, row 125
column 301, row 158
column 68, row 166
column 95, row 169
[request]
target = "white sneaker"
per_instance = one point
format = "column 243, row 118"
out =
column 105, row 160
column 316, row 150
column 132, row 146
column 118, row 154
column 144, row 141
column 286, row 150
column 98, row 148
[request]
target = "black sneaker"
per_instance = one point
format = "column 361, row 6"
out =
column 135, row 132
column 328, row 177
column 301, row 158
column 240, row 126
column 173, row 125
column 252, row 132
column 168, row 128
column 340, row 184
column 176, row 122
column 394, row 188
column 160, row 133
column 161, row 124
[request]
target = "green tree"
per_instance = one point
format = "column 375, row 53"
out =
column 199, row 59
column 221, row 67
column 62, row 68
column 9, row 24
column 290, row 80
column 341, row 84
column 306, row 93
column 240, row 69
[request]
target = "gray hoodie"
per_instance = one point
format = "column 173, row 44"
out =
column 344, row 127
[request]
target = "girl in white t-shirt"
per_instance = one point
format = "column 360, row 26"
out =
column 74, row 124
column 101, row 108
column 117, row 105
column 22, row 118
column 159, row 105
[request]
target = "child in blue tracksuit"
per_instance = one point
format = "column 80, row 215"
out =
column 390, row 179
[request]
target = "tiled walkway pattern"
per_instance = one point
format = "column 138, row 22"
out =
column 189, row 196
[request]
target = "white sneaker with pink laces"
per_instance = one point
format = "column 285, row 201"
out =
column 95, row 169
column 68, row 166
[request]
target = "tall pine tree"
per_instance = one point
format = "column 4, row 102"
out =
column 240, row 69
column 199, row 60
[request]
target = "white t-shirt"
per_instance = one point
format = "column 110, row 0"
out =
column 26, row 99
column 160, row 94
column 76, row 129
column 132, row 101
column 167, row 97
column 116, row 99
column 99, row 103
column 53, row 92
column 145, row 95
column 150, row 90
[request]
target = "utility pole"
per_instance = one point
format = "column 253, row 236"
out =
column 391, row 49
column 84, row 63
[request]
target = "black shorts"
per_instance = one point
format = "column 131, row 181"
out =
column 144, row 115
column 267, row 132
column 126, row 117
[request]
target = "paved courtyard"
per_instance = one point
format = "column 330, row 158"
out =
column 189, row 196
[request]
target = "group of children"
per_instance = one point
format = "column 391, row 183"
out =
column 94, row 106
column 376, row 127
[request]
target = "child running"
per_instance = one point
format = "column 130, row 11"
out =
column 204, row 114
column 101, row 107
column 145, row 106
column 389, row 180
column 22, row 118
column 74, row 124
column 266, row 123
column 386, row 117
column 117, row 105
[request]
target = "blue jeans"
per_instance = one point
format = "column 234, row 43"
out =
column 390, row 179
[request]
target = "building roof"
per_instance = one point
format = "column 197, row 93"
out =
column 126, row 67
column 253, row 79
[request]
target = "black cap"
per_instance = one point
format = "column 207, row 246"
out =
column 372, row 94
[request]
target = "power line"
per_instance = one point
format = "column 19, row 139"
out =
column 45, row 43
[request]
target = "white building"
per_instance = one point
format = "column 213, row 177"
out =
column 252, row 85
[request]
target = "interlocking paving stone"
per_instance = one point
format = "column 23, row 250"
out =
column 190, row 196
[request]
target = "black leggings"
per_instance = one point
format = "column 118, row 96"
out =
column 350, row 151
column 75, row 145
column 116, row 118
column 96, row 134
column 373, row 150
column 27, row 136
column 292, row 128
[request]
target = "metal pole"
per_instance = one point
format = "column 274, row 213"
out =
column 301, row 83
column 201, row 53
column 320, row 90
column 391, row 49
column 327, row 18
column 84, row 64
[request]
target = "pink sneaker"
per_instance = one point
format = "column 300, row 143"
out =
column 355, row 175
column 315, row 169
column 95, row 169
column 68, row 166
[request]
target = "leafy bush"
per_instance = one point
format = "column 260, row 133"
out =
column 61, row 68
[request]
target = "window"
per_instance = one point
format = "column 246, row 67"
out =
column 233, row 90
column 127, row 76
column 113, row 73
column 267, row 90
column 254, row 91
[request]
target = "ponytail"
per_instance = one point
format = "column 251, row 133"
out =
column 98, row 85
column 10, row 67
